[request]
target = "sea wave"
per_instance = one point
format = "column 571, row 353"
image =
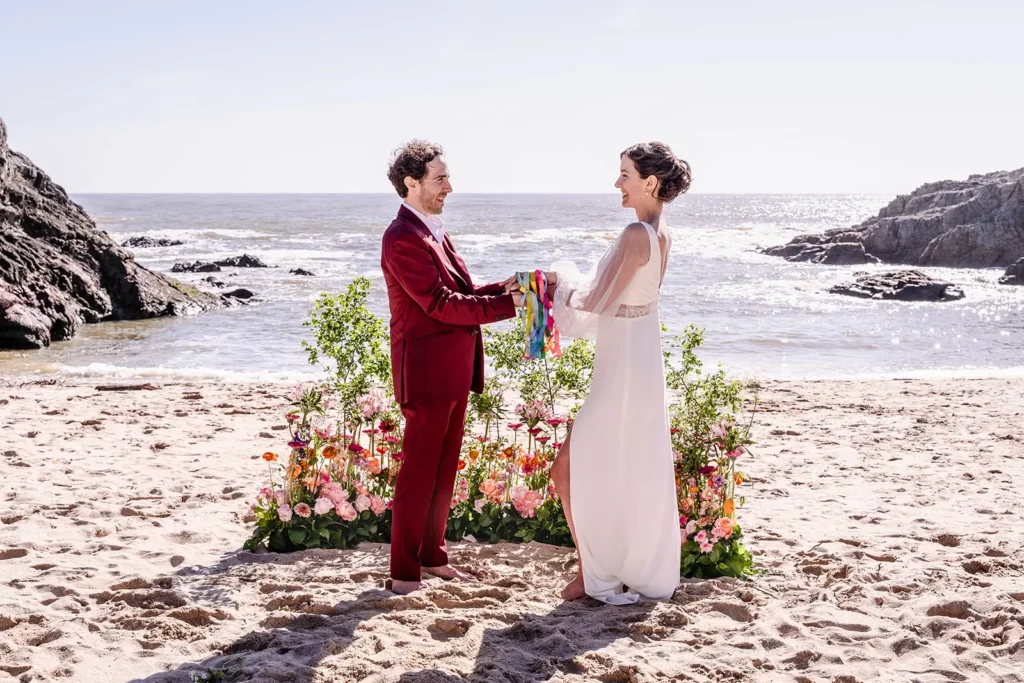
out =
column 195, row 374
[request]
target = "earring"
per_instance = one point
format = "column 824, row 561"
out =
column 647, row 194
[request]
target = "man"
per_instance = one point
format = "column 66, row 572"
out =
column 437, row 358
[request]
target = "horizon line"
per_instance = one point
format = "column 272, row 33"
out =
column 543, row 194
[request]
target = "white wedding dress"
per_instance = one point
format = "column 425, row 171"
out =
column 622, row 479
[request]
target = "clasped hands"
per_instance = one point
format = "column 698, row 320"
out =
column 512, row 287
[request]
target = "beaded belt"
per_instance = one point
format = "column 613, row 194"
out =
column 636, row 311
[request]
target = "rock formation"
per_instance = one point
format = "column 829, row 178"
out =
column 977, row 223
column 58, row 270
column 150, row 242
column 900, row 285
column 302, row 271
column 243, row 261
column 195, row 267
column 1014, row 275
column 239, row 294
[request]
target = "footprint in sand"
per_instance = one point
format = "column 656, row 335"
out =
column 445, row 629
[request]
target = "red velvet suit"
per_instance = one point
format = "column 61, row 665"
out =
column 437, row 358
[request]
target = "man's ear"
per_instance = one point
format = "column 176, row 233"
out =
column 410, row 183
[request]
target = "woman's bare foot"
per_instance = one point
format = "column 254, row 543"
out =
column 449, row 573
column 575, row 589
column 403, row 587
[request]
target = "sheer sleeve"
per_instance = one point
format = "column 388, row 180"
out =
column 581, row 300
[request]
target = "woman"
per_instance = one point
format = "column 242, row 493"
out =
column 615, row 472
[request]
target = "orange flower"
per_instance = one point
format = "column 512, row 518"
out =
column 729, row 507
column 508, row 452
column 329, row 452
column 694, row 489
column 473, row 455
column 295, row 471
column 270, row 457
column 739, row 478
column 462, row 464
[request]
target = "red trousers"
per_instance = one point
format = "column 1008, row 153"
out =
column 423, row 493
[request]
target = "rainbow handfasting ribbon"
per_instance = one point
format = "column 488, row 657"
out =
column 542, row 332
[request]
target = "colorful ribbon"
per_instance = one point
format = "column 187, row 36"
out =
column 542, row 332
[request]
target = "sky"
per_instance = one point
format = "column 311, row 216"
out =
column 788, row 96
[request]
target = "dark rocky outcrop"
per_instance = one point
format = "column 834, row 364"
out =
column 213, row 282
column 900, row 285
column 815, row 250
column 195, row 267
column 240, row 294
column 58, row 270
column 150, row 242
column 977, row 223
column 302, row 271
column 243, row 261
column 1014, row 275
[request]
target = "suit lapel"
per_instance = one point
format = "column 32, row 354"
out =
column 439, row 250
column 457, row 262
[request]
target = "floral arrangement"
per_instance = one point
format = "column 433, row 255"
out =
column 707, row 482
column 331, row 490
column 335, row 485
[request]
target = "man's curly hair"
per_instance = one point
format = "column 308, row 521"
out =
column 411, row 159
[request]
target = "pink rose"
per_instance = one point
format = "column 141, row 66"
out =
column 701, row 537
column 526, row 500
column 691, row 526
column 303, row 510
column 378, row 505
column 362, row 503
column 284, row 513
column 724, row 527
column 345, row 510
column 323, row 506
column 334, row 492
column 479, row 505
column 706, row 547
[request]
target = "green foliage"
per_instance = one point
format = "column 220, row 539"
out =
column 349, row 342
column 729, row 557
column 318, row 531
column 705, row 399
column 548, row 380
column 496, row 523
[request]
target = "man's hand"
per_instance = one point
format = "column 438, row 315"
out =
column 511, row 284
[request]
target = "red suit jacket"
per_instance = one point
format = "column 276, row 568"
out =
column 437, row 353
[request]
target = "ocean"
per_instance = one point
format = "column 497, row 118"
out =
column 764, row 317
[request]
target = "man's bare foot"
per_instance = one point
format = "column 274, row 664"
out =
column 403, row 587
column 575, row 589
column 449, row 573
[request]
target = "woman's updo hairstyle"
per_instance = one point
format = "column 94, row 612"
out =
column 656, row 159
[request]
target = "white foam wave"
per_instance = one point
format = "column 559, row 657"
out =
column 211, row 374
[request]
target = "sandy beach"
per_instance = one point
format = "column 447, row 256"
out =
column 885, row 516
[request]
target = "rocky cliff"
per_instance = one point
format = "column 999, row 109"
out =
column 58, row 270
column 977, row 223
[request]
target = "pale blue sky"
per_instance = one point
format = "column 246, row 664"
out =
column 783, row 96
